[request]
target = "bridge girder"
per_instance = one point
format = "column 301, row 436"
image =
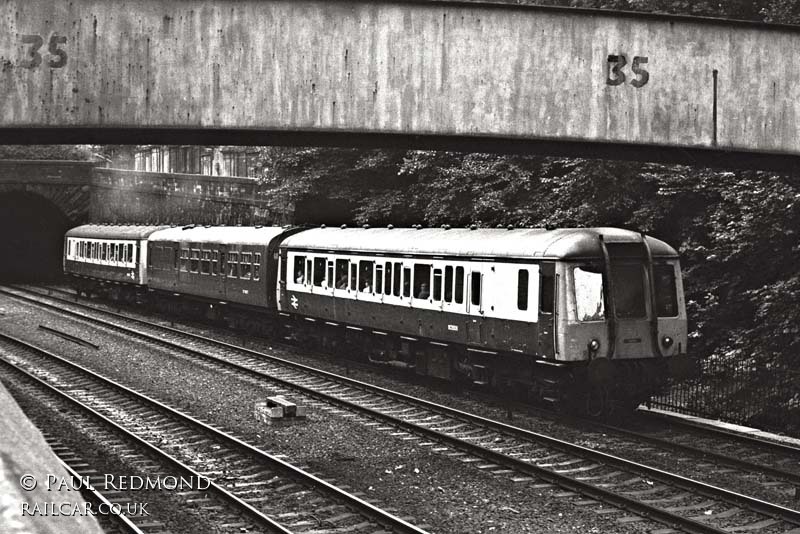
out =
column 388, row 73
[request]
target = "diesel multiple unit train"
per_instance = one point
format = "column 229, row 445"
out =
column 583, row 316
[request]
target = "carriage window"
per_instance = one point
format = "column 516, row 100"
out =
column 475, row 289
column 329, row 280
column 422, row 281
column 547, row 293
column 214, row 262
column 406, row 281
column 341, row 274
column 666, row 294
column 175, row 260
column 246, row 266
column 378, row 278
column 155, row 255
column 115, row 252
column 233, row 265
column 256, row 266
column 299, row 270
column 398, row 274
column 130, row 252
column 437, row 284
column 125, row 253
column 309, row 270
column 103, row 250
column 365, row 276
column 194, row 260
column 629, row 289
column 522, row 289
column 353, row 276
column 387, row 283
column 319, row 271
column 459, row 285
column 205, row 262
column 448, row 284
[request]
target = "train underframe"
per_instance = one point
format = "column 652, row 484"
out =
column 596, row 388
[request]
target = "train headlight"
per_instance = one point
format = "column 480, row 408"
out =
column 667, row 341
column 594, row 345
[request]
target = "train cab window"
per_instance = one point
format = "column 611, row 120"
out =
column 341, row 273
column 629, row 290
column 365, row 282
column 459, row 285
column 256, row 266
column 353, row 276
column 422, row 281
column 319, row 271
column 387, row 283
column 397, row 278
column 437, row 284
column 299, row 270
column 448, row 284
column 378, row 278
column 522, row 289
column 245, row 266
column 547, row 293
column 406, row 281
column 233, row 265
column 194, row 260
column 214, row 262
column 666, row 294
column 205, row 262
column 475, row 289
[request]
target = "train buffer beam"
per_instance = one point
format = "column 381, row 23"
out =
column 279, row 408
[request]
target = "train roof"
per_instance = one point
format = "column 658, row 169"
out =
column 564, row 243
column 230, row 235
column 114, row 231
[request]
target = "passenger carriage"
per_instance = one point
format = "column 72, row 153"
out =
column 585, row 311
column 232, row 269
column 101, row 258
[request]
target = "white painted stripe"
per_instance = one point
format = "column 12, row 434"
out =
column 439, row 344
column 409, row 338
column 355, row 328
column 482, row 351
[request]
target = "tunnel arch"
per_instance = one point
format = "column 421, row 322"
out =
column 33, row 233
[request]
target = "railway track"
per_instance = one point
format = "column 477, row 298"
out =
column 677, row 502
column 274, row 495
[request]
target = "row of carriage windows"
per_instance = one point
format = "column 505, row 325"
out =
column 384, row 278
column 243, row 265
column 102, row 251
column 394, row 278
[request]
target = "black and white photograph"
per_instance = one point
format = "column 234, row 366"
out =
column 399, row 266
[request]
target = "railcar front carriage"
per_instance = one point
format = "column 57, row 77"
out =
column 586, row 315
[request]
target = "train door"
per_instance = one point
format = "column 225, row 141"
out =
column 547, row 309
column 221, row 283
column 475, row 320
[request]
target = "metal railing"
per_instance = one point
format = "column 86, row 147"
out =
column 766, row 397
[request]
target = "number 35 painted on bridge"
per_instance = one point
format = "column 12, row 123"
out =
column 32, row 58
column 616, row 76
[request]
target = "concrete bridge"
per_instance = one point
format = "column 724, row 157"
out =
column 433, row 74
